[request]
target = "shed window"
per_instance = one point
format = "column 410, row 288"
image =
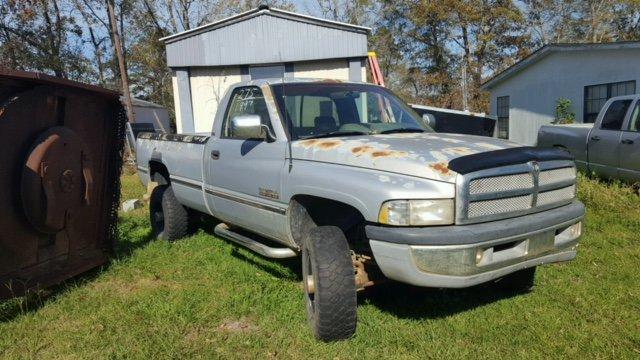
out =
column 503, row 116
column 595, row 96
column 266, row 72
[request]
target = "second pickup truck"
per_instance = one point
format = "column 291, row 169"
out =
column 350, row 178
column 610, row 147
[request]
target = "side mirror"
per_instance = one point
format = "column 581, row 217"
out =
column 250, row 127
column 430, row 120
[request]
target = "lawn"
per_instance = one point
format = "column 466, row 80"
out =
column 206, row 298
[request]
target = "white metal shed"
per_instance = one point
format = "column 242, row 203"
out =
column 261, row 43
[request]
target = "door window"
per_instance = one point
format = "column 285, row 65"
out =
column 614, row 117
column 245, row 101
column 634, row 123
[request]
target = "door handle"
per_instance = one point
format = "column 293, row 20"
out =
column 215, row 154
column 627, row 141
column 595, row 138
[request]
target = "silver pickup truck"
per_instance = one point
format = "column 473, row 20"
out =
column 610, row 147
column 350, row 178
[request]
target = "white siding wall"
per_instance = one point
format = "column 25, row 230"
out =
column 533, row 92
column 208, row 86
column 327, row 69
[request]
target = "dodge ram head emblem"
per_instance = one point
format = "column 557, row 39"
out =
column 535, row 168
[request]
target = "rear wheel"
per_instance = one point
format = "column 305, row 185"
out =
column 169, row 219
column 329, row 284
column 519, row 281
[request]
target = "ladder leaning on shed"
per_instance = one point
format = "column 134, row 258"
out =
column 378, row 79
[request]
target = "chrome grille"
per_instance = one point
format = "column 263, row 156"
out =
column 499, row 206
column 501, row 183
column 514, row 190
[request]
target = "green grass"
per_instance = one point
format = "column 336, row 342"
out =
column 203, row 297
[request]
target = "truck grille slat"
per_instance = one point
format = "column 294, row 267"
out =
column 514, row 190
column 499, row 206
column 549, row 197
column 558, row 175
column 501, row 183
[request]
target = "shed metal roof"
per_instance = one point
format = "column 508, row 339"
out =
column 549, row 49
column 265, row 35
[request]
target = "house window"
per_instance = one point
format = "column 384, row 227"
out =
column 596, row 95
column 503, row 116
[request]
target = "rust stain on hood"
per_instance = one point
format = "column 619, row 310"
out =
column 421, row 155
column 442, row 168
column 320, row 144
column 377, row 153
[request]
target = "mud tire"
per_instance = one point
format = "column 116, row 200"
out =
column 169, row 219
column 332, row 308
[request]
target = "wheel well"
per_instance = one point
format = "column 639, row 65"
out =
column 159, row 173
column 306, row 212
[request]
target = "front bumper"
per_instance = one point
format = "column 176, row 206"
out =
column 465, row 255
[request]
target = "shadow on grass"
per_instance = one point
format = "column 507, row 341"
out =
column 34, row 300
column 292, row 267
column 411, row 302
column 398, row 299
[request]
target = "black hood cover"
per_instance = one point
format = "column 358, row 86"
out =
column 491, row 159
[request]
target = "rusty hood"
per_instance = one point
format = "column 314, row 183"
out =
column 425, row 155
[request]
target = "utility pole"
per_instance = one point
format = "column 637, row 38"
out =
column 117, row 44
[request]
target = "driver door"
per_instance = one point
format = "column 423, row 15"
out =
column 604, row 140
column 244, row 175
column 630, row 147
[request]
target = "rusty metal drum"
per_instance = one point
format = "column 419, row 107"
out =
column 60, row 163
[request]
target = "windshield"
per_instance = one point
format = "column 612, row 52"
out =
column 327, row 109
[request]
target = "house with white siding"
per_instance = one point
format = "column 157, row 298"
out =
column 261, row 43
column 525, row 95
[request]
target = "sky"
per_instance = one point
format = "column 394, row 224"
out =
column 309, row 7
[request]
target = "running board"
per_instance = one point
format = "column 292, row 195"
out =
column 253, row 245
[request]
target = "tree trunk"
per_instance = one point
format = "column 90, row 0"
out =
column 123, row 70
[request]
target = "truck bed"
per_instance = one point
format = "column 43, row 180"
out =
column 183, row 154
column 572, row 137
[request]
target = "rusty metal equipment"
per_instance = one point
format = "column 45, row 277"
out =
column 60, row 167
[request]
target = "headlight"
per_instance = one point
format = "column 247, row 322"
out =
column 417, row 212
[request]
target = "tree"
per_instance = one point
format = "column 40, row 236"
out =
column 41, row 35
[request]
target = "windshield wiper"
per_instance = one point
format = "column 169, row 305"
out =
column 402, row 130
column 336, row 134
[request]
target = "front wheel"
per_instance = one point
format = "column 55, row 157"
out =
column 169, row 219
column 329, row 284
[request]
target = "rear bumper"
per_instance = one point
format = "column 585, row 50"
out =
column 466, row 255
